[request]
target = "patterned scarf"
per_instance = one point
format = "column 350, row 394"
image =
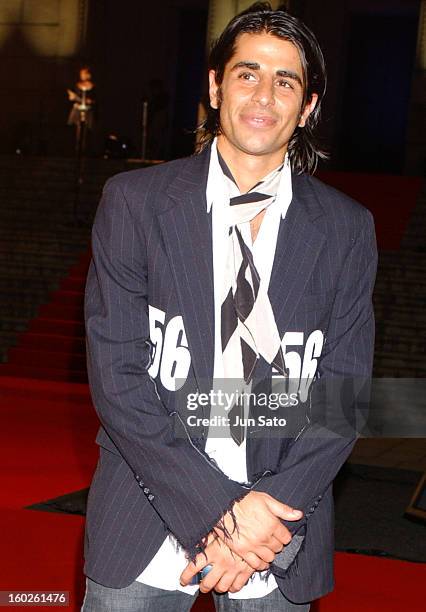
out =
column 248, row 325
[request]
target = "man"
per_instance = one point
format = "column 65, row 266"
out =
column 233, row 264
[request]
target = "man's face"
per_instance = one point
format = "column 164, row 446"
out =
column 260, row 98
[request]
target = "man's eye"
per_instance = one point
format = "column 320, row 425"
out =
column 285, row 83
column 247, row 76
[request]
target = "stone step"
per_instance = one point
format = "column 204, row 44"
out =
column 33, row 278
column 28, row 283
column 43, row 373
column 401, row 312
column 401, row 266
column 51, row 221
column 53, row 342
column 53, row 250
column 8, row 337
column 389, row 300
column 400, row 363
column 21, row 310
column 393, row 369
column 387, row 329
column 38, row 247
column 400, row 286
column 37, row 255
column 55, row 208
column 54, row 178
column 414, row 359
column 45, row 197
column 401, row 346
column 24, row 295
column 13, row 322
column 29, row 219
column 400, row 257
column 62, row 301
column 418, row 245
column 59, row 232
column 51, row 270
column 35, row 357
column 403, row 274
column 58, row 327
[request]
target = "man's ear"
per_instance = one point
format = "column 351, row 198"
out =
column 308, row 110
column 213, row 89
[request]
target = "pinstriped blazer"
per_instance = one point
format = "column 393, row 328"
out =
column 150, row 320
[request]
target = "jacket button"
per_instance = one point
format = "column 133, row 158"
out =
column 137, row 477
column 151, row 497
column 141, row 484
column 146, row 490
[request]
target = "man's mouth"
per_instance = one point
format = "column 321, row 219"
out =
column 258, row 120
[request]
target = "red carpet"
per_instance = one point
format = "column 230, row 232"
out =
column 53, row 347
column 373, row 584
column 47, row 449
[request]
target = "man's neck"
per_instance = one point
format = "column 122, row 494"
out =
column 247, row 169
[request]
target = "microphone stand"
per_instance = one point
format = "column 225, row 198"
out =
column 83, row 109
column 144, row 129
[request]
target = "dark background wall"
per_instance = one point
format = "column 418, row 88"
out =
column 143, row 50
column 130, row 44
column 370, row 52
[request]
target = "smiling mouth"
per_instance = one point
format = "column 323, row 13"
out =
column 259, row 120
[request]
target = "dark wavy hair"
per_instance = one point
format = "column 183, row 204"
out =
column 303, row 149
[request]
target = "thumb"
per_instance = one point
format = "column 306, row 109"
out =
column 283, row 511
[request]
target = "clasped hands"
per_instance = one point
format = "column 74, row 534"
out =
column 260, row 536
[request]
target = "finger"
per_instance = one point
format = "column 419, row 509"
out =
column 275, row 545
column 192, row 568
column 240, row 581
column 265, row 553
column 229, row 577
column 282, row 510
column 187, row 575
column 255, row 562
column 211, row 579
column 222, row 586
column 282, row 534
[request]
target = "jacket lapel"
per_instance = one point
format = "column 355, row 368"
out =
column 299, row 244
column 187, row 233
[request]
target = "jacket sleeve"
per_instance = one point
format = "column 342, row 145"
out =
column 187, row 490
column 315, row 457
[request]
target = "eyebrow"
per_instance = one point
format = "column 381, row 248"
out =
column 289, row 74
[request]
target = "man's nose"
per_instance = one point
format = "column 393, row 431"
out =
column 264, row 92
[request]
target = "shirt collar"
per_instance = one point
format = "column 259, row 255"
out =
column 284, row 193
